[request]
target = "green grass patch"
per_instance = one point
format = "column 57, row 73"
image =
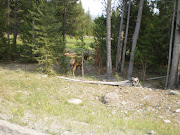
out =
column 71, row 43
column 29, row 97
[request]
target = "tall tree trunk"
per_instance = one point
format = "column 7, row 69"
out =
column 135, row 38
column 125, row 41
column 170, row 45
column 64, row 26
column 108, row 41
column 82, row 60
column 8, row 19
column 15, row 28
column 120, row 38
column 33, row 37
column 175, row 58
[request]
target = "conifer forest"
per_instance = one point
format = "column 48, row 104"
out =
column 131, row 37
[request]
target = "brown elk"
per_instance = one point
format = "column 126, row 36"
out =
column 77, row 62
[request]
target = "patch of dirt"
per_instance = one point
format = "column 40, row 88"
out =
column 7, row 128
column 136, row 100
column 158, row 102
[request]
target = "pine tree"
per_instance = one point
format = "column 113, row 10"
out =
column 48, row 42
column 72, row 15
column 100, row 37
column 88, row 24
column 3, row 45
column 27, row 15
column 81, row 49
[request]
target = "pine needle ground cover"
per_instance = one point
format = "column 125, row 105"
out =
column 37, row 101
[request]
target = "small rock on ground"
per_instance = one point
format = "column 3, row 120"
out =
column 75, row 101
column 167, row 121
column 173, row 92
column 177, row 111
column 151, row 132
column 110, row 98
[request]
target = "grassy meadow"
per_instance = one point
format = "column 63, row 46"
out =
column 34, row 100
column 71, row 43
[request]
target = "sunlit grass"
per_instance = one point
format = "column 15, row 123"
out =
column 29, row 97
column 71, row 43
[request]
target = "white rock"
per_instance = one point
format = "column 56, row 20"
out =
column 161, row 117
column 167, row 121
column 113, row 112
column 139, row 111
column 75, row 101
column 67, row 133
column 151, row 132
column 177, row 111
column 97, row 98
column 44, row 75
column 173, row 92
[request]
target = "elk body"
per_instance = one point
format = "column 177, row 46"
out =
column 77, row 62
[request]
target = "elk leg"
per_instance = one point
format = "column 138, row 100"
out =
column 74, row 68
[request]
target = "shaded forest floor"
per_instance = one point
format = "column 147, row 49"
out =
column 40, row 102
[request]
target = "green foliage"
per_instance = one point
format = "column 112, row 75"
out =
column 144, row 47
column 63, row 65
column 88, row 24
column 80, row 46
column 115, row 24
column 48, row 43
column 3, row 45
column 41, row 25
column 27, row 16
column 100, row 34
column 72, row 16
column 152, row 46
column 154, row 36
column 117, row 77
column 39, row 21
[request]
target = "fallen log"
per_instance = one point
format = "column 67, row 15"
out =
column 154, row 78
column 120, row 83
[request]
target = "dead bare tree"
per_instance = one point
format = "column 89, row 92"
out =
column 8, row 22
column 170, row 45
column 15, row 27
column 108, row 41
column 126, row 36
column 135, row 38
column 175, row 58
column 120, row 38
